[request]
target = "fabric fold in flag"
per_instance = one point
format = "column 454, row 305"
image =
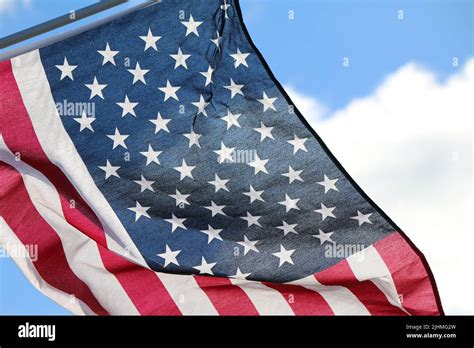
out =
column 160, row 168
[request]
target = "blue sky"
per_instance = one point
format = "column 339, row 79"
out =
column 307, row 53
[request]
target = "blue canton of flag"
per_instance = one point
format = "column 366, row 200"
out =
column 199, row 153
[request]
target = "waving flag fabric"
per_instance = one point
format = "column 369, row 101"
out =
column 159, row 168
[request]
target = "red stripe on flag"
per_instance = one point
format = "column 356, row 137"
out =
column 19, row 134
column 142, row 286
column 31, row 229
column 366, row 291
column 409, row 273
column 302, row 301
column 227, row 298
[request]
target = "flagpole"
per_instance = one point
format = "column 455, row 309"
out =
column 62, row 21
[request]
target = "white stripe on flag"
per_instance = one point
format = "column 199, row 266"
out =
column 56, row 143
column 369, row 265
column 186, row 293
column 341, row 300
column 17, row 250
column 266, row 300
column 81, row 252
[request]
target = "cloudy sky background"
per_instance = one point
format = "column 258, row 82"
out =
column 398, row 116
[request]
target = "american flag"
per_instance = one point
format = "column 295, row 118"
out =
column 160, row 168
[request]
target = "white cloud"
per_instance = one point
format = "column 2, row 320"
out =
column 409, row 146
column 310, row 107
